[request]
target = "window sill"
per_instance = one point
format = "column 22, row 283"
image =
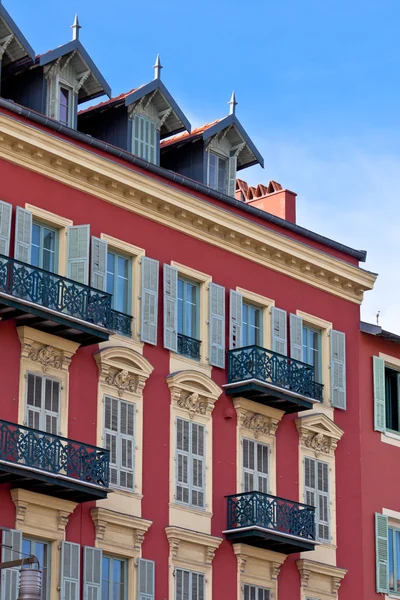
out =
column 195, row 511
column 391, row 438
column 196, row 365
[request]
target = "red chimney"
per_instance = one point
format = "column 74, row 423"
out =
column 271, row 198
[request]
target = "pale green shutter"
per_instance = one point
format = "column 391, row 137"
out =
column 279, row 334
column 232, row 176
column 296, row 337
column 217, row 325
column 382, row 553
column 98, row 275
column 23, row 235
column 338, row 369
column 379, row 394
column 149, row 301
column 5, row 227
column 78, row 253
column 146, row 579
column 235, row 319
column 10, row 550
column 92, row 559
column 170, row 308
column 70, row 571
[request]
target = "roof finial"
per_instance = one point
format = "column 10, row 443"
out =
column 232, row 103
column 157, row 68
column 75, row 28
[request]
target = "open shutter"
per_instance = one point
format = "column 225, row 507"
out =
column 232, row 176
column 23, row 235
column 78, row 253
column 182, row 461
column 379, row 394
column 382, row 553
column 98, row 275
column 338, row 369
column 197, row 464
column 70, row 571
column 10, row 550
column 92, row 559
column 279, row 334
column 146, row 578
column 149, row 295
column 323, row 501
column 235, row 319
column 170, row 308
column 5, row 227
column 217, row 325
column 296, row 335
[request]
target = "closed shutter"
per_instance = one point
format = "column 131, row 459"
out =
column 34, row 401
column 310, row 495
column 255, row 467
column 170, row 308
column 251, row 592
column 198, row 464
column 182, row 585
column 52, row 98
column 235, row 319
column 182, row 460
column 379, row 394
column 382, row 553
column 98, row 275
column 217, row 325
column 5, row 227
column 316, row 493
column 119, row 438
column 232, row 176
column 296, row 335
column 149, row 306
column 52, row 406
column 23, row 235
column 146, row 579
column 70, row 571
column 144, row 138
column 10, row 550
column 197, row 586
column 78, row 253
column 338, row 369
column 92, row 559
column 279, row 334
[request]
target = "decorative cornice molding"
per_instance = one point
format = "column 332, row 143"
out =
column 318, row 433
column 89, row 172
column 178, row 537
column 48, row 351
column 113, row 529
column 260, row 420
column 29, row 505
column 311, row 572
column 268, row 558
column 193, row 392
column 123, row 369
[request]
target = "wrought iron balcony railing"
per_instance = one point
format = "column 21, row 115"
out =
column 120, row 323
column 33, row 449
column 188, row 346
column 52, row 291
column 256, row 363
column 254, row 509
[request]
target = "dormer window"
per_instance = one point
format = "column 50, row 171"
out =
column 217, row 172
column 65, row 112
column 144, row 138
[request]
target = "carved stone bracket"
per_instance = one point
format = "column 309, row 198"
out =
column 174, row 546
column 209, row 553
column 320, row 577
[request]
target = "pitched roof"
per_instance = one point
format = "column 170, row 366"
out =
column 19, row 46
column 102, row 105
column 186, row 135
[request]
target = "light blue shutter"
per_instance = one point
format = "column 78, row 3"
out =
column 98, row 275
column 92, row 559
column 382, row 553
column 217, row 325
column 197, row 464
column 182, row 459
column 338, row 369
column 70, row 571
column 232, row 176
column 170, row 308
column 146, row 579
column 5, row 227
column 235, row 319
column 379, row 394
column 197, row 586
column 23, row 235
column 10, row 550
column 78, row 253
column 279, row 333
column 182, row 584
column 144, row 138
column 296, row 337
column 323, row 520
column 149, row 296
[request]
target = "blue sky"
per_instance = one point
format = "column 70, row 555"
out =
column 318, row 89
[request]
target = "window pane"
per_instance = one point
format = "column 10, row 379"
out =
column 181, row 286
column 49, row 249
column 35, row 258
column 222, row 174
column 26, row 549
column 64, row 105
column 397, row 561
column 392, row 399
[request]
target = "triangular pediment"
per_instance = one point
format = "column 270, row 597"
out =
column 318, row 433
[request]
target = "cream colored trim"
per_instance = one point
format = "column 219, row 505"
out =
column 256, row 566
column 266, row 304
column 388, row 437
column 319, row 579
column 390, row 361
column 89, row 172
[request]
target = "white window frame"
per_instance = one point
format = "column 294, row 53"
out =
column 146, row 150
column 66, row 86
column 219, row 157
column 124, row 560
column 43, row 413
column 190, row 573
column 46, row 569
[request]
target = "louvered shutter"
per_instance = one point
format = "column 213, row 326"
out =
column 296, row 337
column 251, row 592
column 34, row 400
column 98, row 274
column 197, row 464
column 111, row 436
column 5, row 227
column 262, row 473
column 52, row 98
column 255, row 466
column 182, row 584
column 126, row 445
column 149, row 306
column 51, row 405
column 182, row 460
column 382, row 553
column 197, row 586
column 235, row 319
column 70, row 571
column 23, row 235
column 78, row 253
column 232, row 176
column 217, row 325
column 310, row 495
column 379, row 394
column 10, row 550
column 92, row 560
column 323, row 500
column 249, row 460
column 338, row 369
column 146, row 579
column 170, row 308
column 279, row 334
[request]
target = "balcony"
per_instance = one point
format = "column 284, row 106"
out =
column 120, row 323
column 53, row 303
column 270, row 522
column 271, row 378
column 52, row 465
column 188, row 346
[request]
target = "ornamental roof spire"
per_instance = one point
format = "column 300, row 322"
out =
column 232, row 103
column 75, row 28
column 157, row 68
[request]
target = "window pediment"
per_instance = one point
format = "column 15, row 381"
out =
column 46, row 350
column 319, row 578
column 117, row 532
column 318, row 433
column 193, row 391
column 123, row 368
column 190, row 546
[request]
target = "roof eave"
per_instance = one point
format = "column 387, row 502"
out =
column 17, row 32
column 377, row 330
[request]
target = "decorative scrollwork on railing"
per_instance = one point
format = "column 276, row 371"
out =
column 254, row 509
column 254, row 362
column 53, row 454
column 120, row 323
column 188, row 346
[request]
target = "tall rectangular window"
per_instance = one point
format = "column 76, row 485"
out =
column 394, row 559
column 312, row 350
column 119, row 269
column 392, row 399
column 253, row 592
column 217, row 172
column 316, row 478
column 43, row 403
column 189, row 585
column 255, row 466
column 190, row 459
column 188, row 308
column 44, row 247
column 42, row 551
column 251, row 325
column 144, row 138
column 114, row 585
column 119, row 437
column 65, row 106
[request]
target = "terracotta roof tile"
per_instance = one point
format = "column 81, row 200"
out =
column 249, row 192
column 110, row 101
column 185, row 135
